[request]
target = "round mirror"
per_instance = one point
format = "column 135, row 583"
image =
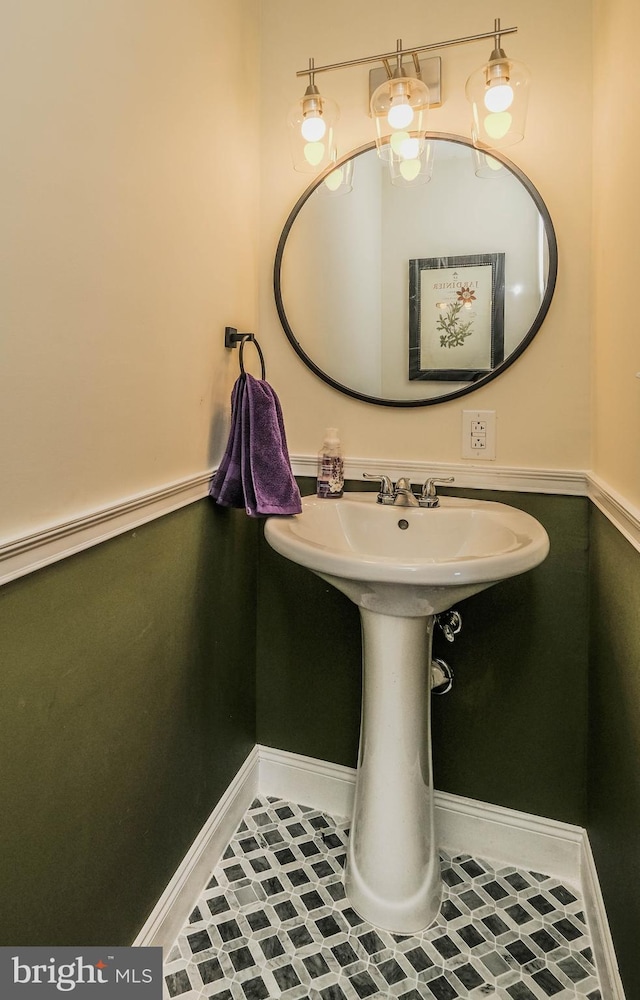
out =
column 407, row 296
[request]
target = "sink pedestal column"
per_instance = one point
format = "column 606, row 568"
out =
column 393, row 871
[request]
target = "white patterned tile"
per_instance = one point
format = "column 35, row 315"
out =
column 273, row 921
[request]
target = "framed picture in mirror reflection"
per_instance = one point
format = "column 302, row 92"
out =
column 456, row 317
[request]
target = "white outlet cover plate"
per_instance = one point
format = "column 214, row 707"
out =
column 476, row 444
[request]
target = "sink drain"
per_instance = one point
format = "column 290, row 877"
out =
column 403, row 524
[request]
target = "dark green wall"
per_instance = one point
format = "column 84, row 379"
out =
column 512, row 731
column 309, row 663
column 614, row 744
column 130, row 699
column 128, row 704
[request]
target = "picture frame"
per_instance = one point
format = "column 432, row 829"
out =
column 456, row 317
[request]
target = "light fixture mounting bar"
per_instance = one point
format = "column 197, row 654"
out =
column 384, row 57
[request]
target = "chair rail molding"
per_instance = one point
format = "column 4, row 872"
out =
column 485, row 475
column 34, row 550
column 22, row 555
column 622, row 514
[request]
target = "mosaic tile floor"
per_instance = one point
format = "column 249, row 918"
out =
column 273, row 921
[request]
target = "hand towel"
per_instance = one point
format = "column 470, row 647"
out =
column 226, row 485
column 255, row 471
column 269, row 485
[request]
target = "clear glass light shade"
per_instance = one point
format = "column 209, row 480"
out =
column 340, row 180
column 498, row 94
column 410, row 171
column 399, row 108
column 312, row 131
column 486, row 166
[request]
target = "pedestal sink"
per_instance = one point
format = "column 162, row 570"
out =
column 401, row 566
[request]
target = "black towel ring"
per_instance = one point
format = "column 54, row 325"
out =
column 232, row 338
column 255, row 343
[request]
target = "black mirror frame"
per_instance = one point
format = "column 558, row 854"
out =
column 524, row 343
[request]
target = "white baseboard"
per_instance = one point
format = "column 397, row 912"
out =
column 506, row 835
column 463, row 826
column 307, row 781
column 603, row 949
column 174, row 906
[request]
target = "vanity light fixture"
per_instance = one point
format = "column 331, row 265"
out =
column 399, row 106
column 311, row 128
column 498, row 94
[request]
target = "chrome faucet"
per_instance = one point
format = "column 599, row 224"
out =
column 403, row 495
column 400, row 494
column 397, row 494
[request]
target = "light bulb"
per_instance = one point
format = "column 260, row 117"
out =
column 498, row 97
column 498, row 94
column 313, row 128
column 400, row 115
column 497, row 125
column 410, row 169
column 313, row 153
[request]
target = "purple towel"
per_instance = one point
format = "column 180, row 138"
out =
column 266, row 470
column 226, row 485
column 255, row 472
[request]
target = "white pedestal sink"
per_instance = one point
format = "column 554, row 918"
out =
column 401, row 566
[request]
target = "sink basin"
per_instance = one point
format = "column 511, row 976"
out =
column 410, row 561
column 402, row 566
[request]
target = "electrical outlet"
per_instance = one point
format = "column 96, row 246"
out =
column 479, row 434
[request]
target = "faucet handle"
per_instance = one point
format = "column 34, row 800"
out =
column 386, row 486
column 429, row 490
column 429, row 496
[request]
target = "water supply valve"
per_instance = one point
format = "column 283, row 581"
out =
column 441, row 676
column 450, row 623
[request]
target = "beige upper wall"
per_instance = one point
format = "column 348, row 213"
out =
column 542, row 402
column 128, row 242
column 616, row 247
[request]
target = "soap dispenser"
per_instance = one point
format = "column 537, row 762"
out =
column 330, row 466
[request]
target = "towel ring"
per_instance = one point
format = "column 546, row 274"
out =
column 232, row 338
column 255, row 343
